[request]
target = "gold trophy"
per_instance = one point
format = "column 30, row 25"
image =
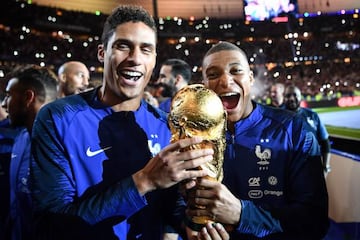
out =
column 198, row 111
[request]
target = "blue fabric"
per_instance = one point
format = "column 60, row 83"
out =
column 85, row 154
column 313, row 119
column 20, row 198
column 7, row 136
column 165, row 105
column 272, row 163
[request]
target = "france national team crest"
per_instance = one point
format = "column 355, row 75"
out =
column 154, row 147
column 311, row 122
column 264, row 156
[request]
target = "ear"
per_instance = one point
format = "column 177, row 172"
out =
column 29, row 97
column 62, row 77
column 178, row 78
column 252, row 79
column 101, row 53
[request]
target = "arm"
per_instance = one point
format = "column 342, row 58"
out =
column 323, row 139
column 325, row 153
column 237, row 215
column 54, row 183
column 304, row 212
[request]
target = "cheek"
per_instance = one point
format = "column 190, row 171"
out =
column 150, row 63
column 211, row 85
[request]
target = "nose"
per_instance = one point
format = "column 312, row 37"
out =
column 225, row 79
column 135, row 55
column 85, row 81
column 4, row 103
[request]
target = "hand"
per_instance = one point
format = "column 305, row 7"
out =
column 213, row 231
column 215, row 200
column 173, row 165
column 210, row 231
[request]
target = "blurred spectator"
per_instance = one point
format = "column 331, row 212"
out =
column 7, row 136
column 151, row 99
column 292, row 102
column 27, row 91
column 73, row 78
column 174, row 75
column 277, row 95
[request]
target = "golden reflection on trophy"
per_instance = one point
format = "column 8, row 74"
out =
column 198, row 111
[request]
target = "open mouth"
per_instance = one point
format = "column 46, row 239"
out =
column 230, row 100
column 131, row 75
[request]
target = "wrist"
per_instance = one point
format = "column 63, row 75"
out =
column 142, row 183
column 327, row 169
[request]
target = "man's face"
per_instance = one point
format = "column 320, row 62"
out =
column 76, row 79
column 292, row 99
column 15, row 103
column 129, row 60
column 167, row 80
column 276, row 94
column 228, row 74
column 165, row 75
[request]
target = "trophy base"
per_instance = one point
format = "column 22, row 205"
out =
column 196, row 226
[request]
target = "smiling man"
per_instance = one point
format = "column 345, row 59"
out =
column 103, row 167
column 273, row 186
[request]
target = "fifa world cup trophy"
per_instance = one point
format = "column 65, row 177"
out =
column 198, row 111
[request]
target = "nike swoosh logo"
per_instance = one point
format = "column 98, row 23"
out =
column 90, row 153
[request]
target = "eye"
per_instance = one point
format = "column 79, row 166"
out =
column 237, row 71
column 80, row 74
column 121, row 46
column 211, row 75
column 147, row 49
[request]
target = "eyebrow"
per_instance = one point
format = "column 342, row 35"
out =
column 128, row 42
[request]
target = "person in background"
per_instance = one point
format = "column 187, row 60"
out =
column 292, row 100
column 174, row 74
column 7, row 136
column 4, row 120
column 277, row 95
column 73, row 78
column 29, row 89
column 273, row 186
column 102, row 164
column 148, row 97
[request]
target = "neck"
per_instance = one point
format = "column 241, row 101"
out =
column 118, row 103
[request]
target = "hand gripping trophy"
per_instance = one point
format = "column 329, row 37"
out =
column 198, row 111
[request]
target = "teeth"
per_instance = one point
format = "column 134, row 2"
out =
column 132, row 74
column 228, row 94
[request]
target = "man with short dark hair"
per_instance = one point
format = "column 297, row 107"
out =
column 28, row 90
column 273, row 186
column 292, row 100
column 174, row 75
column 103, row 167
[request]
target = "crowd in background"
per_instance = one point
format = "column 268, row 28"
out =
column 318, row 54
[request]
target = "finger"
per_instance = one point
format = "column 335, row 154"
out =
column 203, row 234
column 183, row 143
column 193, row 173
column 221, row 231
column 192, row 154
column 187, row 184
column 206, row 183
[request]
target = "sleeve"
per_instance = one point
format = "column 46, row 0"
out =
column 53, row 184
column 305, row 213
column 256, row 220
column 321, row 131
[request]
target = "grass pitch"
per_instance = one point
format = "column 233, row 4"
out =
column 352, row 133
